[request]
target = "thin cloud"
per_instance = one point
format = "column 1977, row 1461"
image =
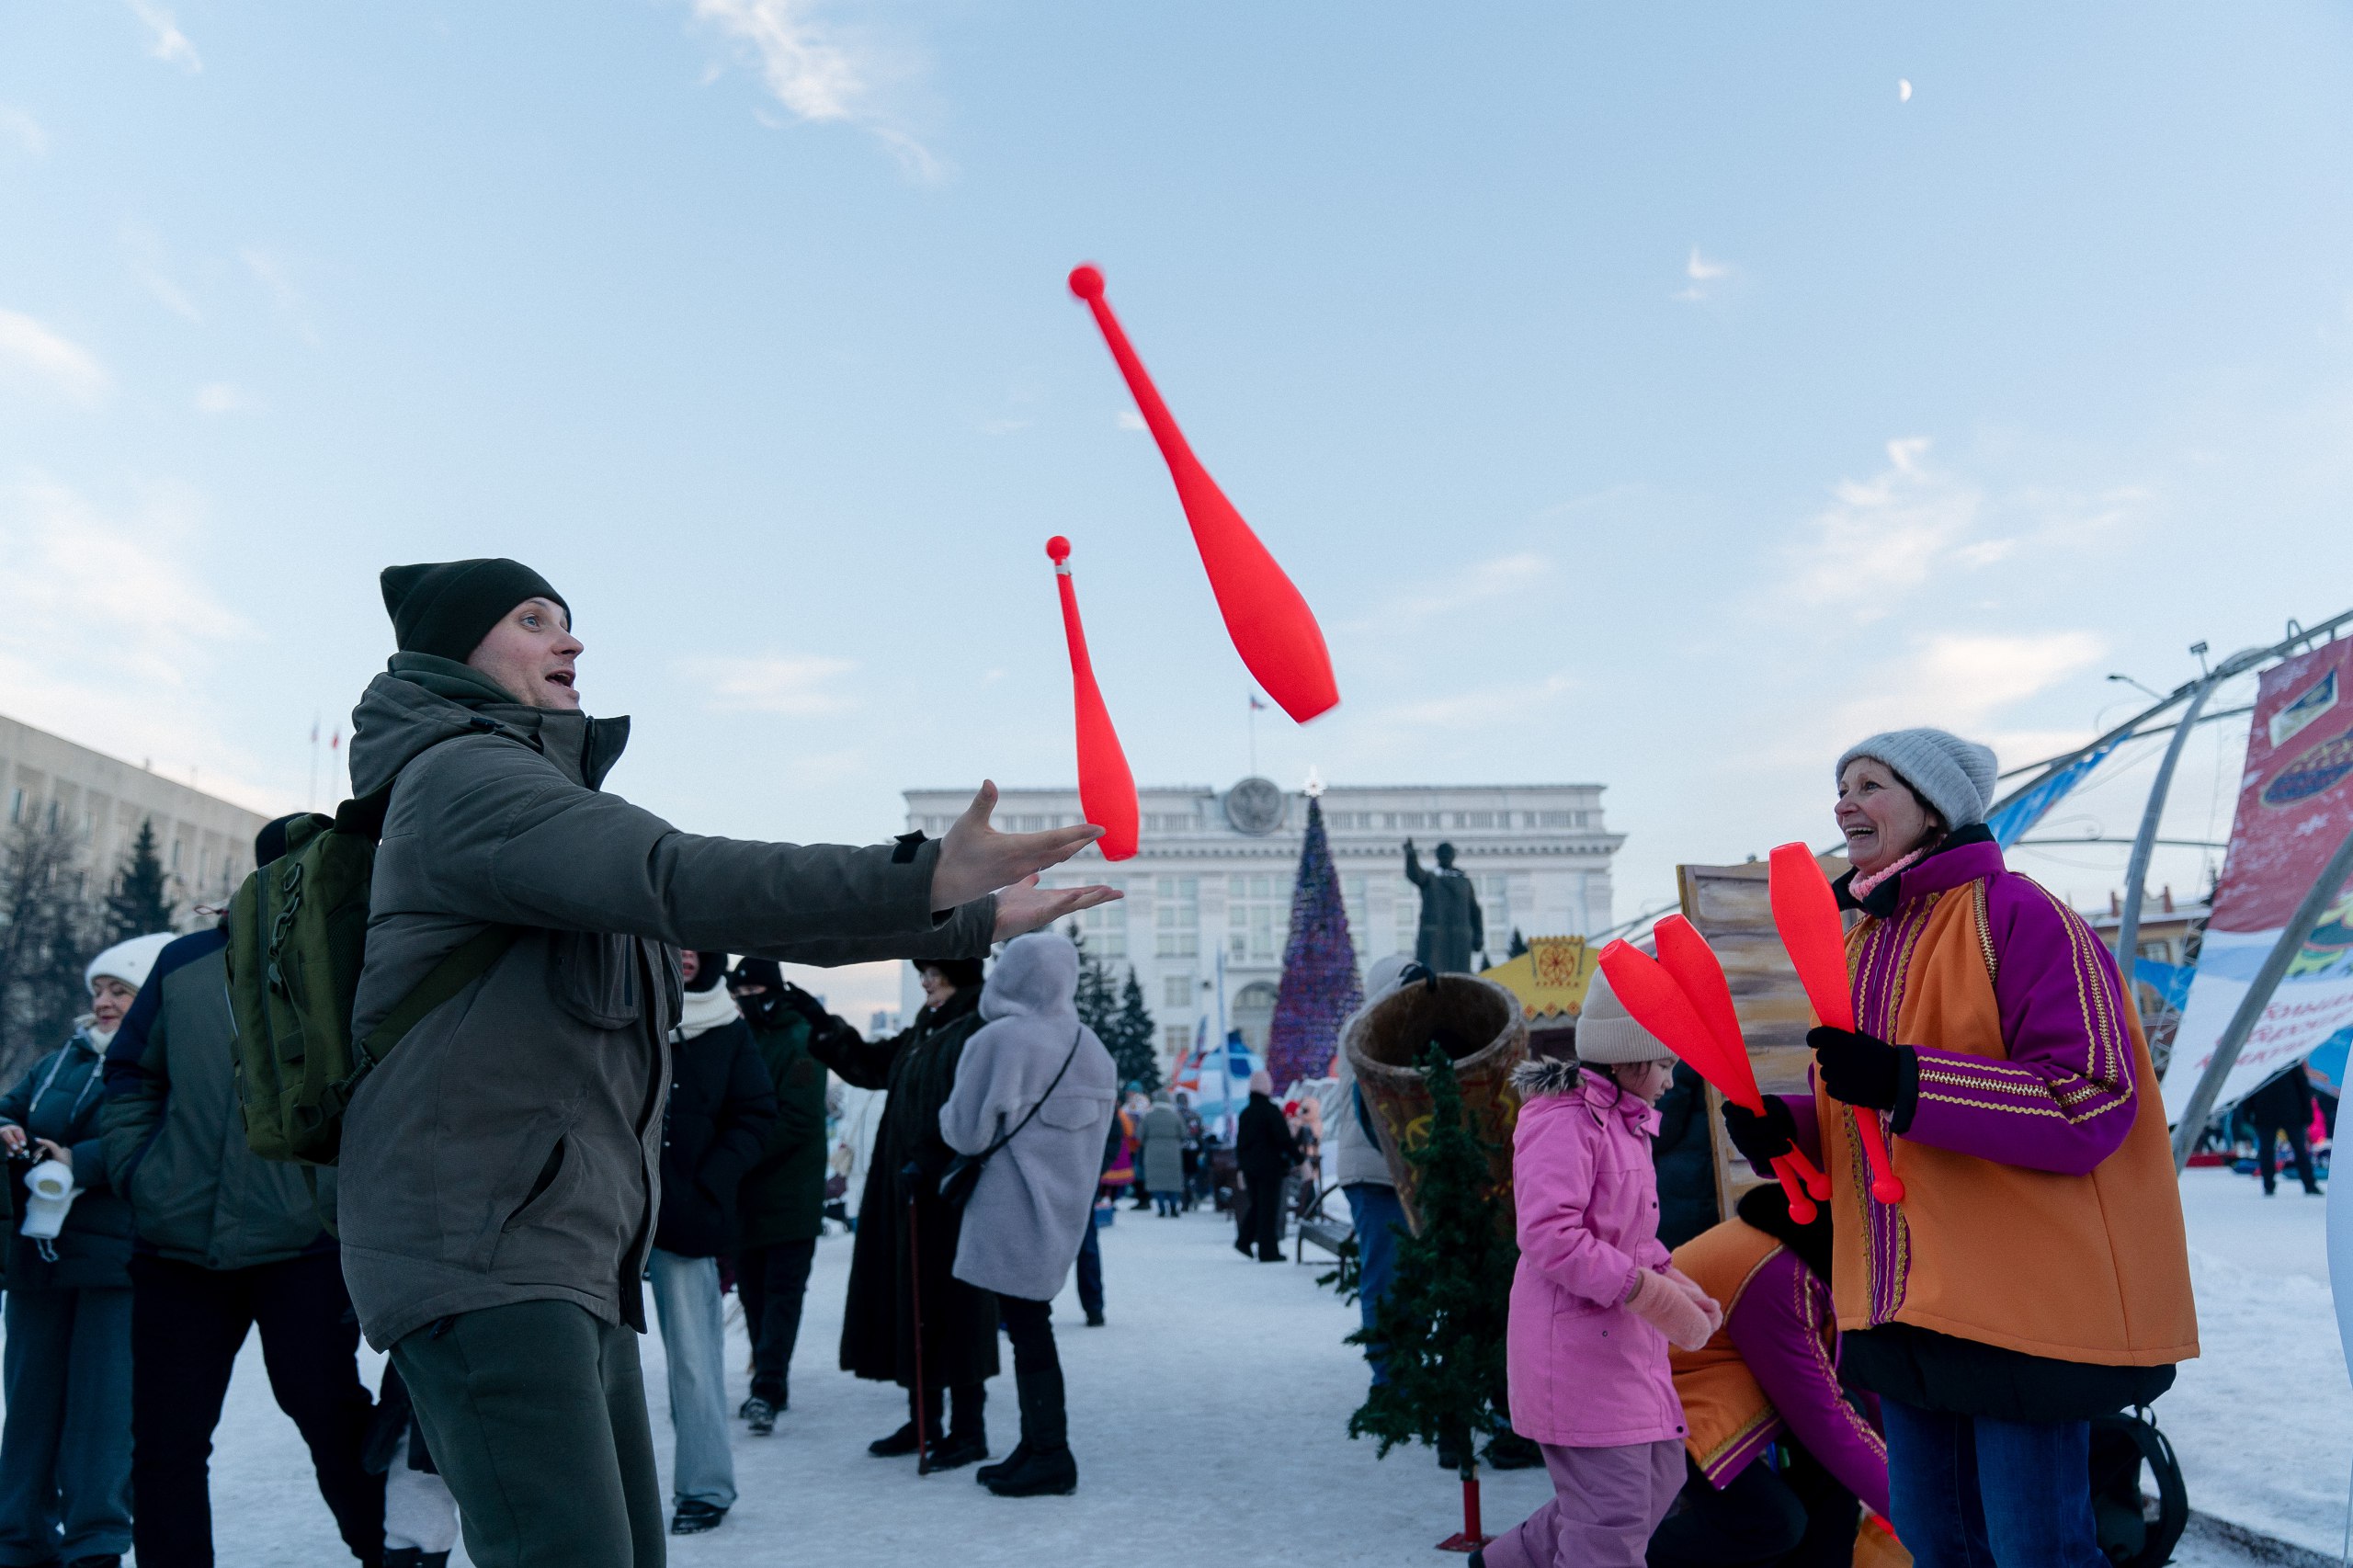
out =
column 271, row 272
column 1478, row 583
column 166, row 41
column 148, row 267
column 1129, row 419
column 1703, row 275
column 63, row 364
column 220, row 397
column 1483, row 708
column 797, row 685
column 1961, row 681
column 22, row 129
column 1883, row 537
column 108, row 632
column 817, row 72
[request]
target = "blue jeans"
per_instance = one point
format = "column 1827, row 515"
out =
column 1972, row 1492
column 1378, row 1216
column 694, row 1342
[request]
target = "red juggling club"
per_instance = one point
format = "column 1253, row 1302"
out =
column 1268, row 620
column 1107, row 790
column 1663, row 1007
column 1806, row 914
column 1686, row 955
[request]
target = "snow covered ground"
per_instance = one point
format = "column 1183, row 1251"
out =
column 1209, row 1419
column 2263, row 1420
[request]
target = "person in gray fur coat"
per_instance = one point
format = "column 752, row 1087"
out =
column 1036, row 1088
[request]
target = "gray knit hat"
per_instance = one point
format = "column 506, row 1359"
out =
column 1607, row 1033
column 1955, row 777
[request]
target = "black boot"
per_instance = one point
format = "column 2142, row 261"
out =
column 904, row 1441
column 967, row 1440
column 1006, row 1466
column 415, row 1557
column 1047, row 1470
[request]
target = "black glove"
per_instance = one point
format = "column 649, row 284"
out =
column 800, row 1002
column 1761, row 1139
column 1862, row 1070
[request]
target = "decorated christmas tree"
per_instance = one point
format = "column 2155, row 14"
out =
column 1319, row 985
column 1439, row 1332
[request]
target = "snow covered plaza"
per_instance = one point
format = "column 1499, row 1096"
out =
column 1210, row 1417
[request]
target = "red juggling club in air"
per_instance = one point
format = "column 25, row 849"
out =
column 1686, row 955
column 1268, row 620
column 1106, row 790
column 1806, row 914
column 1661, row 1006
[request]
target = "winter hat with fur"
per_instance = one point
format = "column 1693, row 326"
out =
column 1607, row 1033
column 1955, row 777
column 129, row 961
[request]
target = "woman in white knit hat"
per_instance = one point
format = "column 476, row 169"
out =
column 65, row 1449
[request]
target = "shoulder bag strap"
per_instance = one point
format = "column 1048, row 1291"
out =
column 1034, row 1110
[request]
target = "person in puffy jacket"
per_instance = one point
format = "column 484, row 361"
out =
column 715, row 1124
column 65, row 1449
column 1034, row 1094
column 226, row 1242
column 2035, row 1273
column 780, row 1207
column 1767, row 1381
column 1596, row 1301
column 1162, row 1140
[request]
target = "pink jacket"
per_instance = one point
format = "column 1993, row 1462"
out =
column 1585, row 1372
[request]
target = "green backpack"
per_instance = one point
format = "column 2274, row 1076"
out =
column 298, row 935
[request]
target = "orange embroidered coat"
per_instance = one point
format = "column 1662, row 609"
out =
column 2042, row 1214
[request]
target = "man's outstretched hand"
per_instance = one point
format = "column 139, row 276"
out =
column 975, row 859
column 1025, row 906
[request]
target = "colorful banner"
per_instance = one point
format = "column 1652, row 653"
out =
column 2012, row 818
column 2295, row 807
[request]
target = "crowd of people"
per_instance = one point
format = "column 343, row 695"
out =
column 585, row 1107
column 592, row 1107
column 1939, row 1355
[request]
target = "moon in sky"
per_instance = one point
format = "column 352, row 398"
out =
column 1903, row 89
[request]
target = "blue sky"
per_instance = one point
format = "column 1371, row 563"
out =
column 1653, row 396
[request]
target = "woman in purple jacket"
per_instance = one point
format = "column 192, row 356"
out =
column 1779, row 1453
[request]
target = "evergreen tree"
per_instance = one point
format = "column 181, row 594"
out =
column 1319, row 988
column 48, row 931
column 1135, row 1052
column 1519, row 944
column 1439, row 1332
column 138, row 904
column 1097, row 1007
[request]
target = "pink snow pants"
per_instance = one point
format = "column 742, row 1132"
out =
column 1605, row 1504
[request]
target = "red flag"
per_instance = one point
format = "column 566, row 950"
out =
column 1106, row 790
column 1268, row 620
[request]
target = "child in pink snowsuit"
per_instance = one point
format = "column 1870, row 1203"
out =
column 1596, row 1304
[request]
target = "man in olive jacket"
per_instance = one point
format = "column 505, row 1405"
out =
column 499, row 1170
column 225, row 1241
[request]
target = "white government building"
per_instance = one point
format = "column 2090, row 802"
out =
column 1209, row 892
column 206, row 843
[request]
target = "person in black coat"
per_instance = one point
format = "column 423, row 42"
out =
column 1267, row 1149
column 721, row 1106
column 902, row 1265
column 1684, row 1160
column 2283, row 1105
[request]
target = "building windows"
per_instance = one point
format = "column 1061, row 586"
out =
column 1105, row 927
column 1257, row 917
column 1172, row 822
column 1177, row 992
column 16, row 807
column 1357, row 898
column 1176, row 932
column 1407, row 904
column 1175, row 1040
column 176, row 853
column 1495, row 911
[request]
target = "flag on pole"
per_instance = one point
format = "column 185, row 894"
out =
column 1257, row 706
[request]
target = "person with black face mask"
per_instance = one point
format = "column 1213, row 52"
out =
column 780, row 1206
